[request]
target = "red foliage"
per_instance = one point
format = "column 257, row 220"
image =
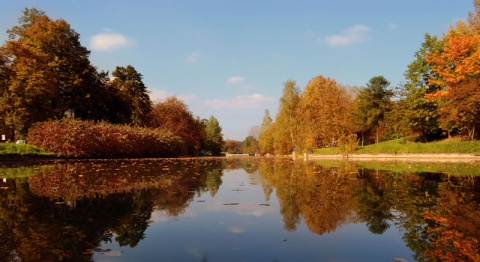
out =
column 83, row 139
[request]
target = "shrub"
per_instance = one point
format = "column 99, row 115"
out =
column 82, row 139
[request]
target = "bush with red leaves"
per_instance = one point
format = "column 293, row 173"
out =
column 88, row 139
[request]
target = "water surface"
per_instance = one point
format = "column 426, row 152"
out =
column 239, row 209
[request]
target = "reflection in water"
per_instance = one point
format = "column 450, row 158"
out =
column 66, row 211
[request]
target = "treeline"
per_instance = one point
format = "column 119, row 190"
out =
column 46, row 75
column 439, row 98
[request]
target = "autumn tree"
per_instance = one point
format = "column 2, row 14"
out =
column 286, row 119
column 372, row 104
column 213, row 136
column 266, row 136
column 458, row 67
column 250, row 145
column 231, row 146
column 326, row 113
column 173, row 115
column 47, row 72
column 134, row 92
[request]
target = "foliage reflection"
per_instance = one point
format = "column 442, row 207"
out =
column 65, row 211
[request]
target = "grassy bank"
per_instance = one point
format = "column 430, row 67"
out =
column 406, row 147
column 12, row 149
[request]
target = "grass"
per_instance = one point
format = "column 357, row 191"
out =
column 451, row 168
column 404, row 147
column 12, row 149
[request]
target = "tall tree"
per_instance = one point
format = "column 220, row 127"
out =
column 457, row 64
column 214, row 136
column 47, row 73
column 373, row 102
column 266, row 138
column 422, row 115
column 129, row 82
column 286, row 119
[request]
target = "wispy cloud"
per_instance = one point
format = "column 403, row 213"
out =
column 235, row 80
column 109, row 41
column 352, row 35
column 392, row 26
column 160, row 95
column 193, row 57
column 240, row 102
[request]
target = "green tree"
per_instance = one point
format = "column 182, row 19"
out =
column 250, row 145
column 129, row 83
column 422, row 116
column 214, row 136
column 373, row 103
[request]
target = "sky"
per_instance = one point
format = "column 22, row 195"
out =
column 230, row 59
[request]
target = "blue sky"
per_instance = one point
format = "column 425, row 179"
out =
column 230, row 59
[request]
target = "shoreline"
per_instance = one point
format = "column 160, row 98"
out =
column 406, row 157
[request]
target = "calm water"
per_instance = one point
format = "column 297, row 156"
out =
column 246, row 209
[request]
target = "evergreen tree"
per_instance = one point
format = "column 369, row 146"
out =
column 134, row 92
column 373, row 103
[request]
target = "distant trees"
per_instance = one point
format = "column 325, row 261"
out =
column 309, row 119
column 440, row 96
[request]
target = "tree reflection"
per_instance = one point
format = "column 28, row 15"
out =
column 453, row 231
column 67, row 210
column 322, row 197
column 70, row 210
column 438, row 213
column 373, row 202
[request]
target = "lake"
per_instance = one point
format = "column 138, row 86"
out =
column 239, row 209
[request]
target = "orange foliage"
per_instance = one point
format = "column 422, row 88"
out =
column 458, row 62
column 454, row 233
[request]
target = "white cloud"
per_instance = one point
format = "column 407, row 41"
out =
column 160, row 95
column 235, row 80
column 109, row 41
column 240, row 102
column 193, row 57
column 392, row 26
column 352, row 35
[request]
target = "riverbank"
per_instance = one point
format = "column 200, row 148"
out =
column 407, row 157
